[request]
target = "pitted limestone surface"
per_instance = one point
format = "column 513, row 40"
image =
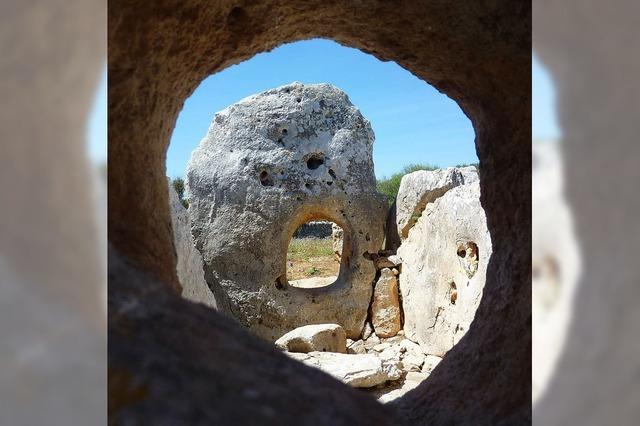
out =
column 268, row 164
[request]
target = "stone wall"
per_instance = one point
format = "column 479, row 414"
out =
column 315, row 229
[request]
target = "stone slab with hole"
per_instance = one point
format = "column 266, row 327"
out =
column 445, row 258
column 268, row 164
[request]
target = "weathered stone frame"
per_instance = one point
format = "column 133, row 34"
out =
column 347, row 246
column 478, row 55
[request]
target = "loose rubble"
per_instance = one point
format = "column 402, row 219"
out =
column 387, row 367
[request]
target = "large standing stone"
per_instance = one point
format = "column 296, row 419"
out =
column 385, row 309
column 316, row 337
column 445, row 258
column 189, row 259
column 419, row 188
column 268, row 164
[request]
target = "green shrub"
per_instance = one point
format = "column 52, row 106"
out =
column 178, row 185
column 468, row 164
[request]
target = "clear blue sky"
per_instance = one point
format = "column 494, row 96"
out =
column 544, row 120
column 412, row 121
column 97, row 125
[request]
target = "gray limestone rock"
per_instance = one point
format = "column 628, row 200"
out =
column 445, row 257
column 419, row 188
column 189, row 260
column 356, row 370
column 316, row 337
column 268, row 164
column 385, row 307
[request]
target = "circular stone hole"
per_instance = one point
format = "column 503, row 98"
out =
column 315, row 161
column 314, row 254
column 468, row 257
column 265, row 179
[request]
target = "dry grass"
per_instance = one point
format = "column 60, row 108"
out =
column 311, row 257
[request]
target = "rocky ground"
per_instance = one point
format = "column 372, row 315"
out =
column 387, row 368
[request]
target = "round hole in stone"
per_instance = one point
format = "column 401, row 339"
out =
column 315, row 160
column 468, row 257
column 281, row 283
column 314, row 254
column 265, row 179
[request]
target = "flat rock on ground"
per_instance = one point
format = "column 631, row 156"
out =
column 359, row 371
column 316, row 337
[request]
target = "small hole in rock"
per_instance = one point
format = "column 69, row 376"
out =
column 462, row 252
column 281, row 283
column 265, row 179
column 332, row 173
column 298, row 100
column 284, row 132
column 329, row 183
column 315, row 161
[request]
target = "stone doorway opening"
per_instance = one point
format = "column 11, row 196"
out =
column 494, row 94
column 314, row 254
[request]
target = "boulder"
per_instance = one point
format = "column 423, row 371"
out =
column 385, row 308
column 358, row 371
column 317, row 337
column 420, row 188
column 189, row 259
column 268, row 164
column 445, row 257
